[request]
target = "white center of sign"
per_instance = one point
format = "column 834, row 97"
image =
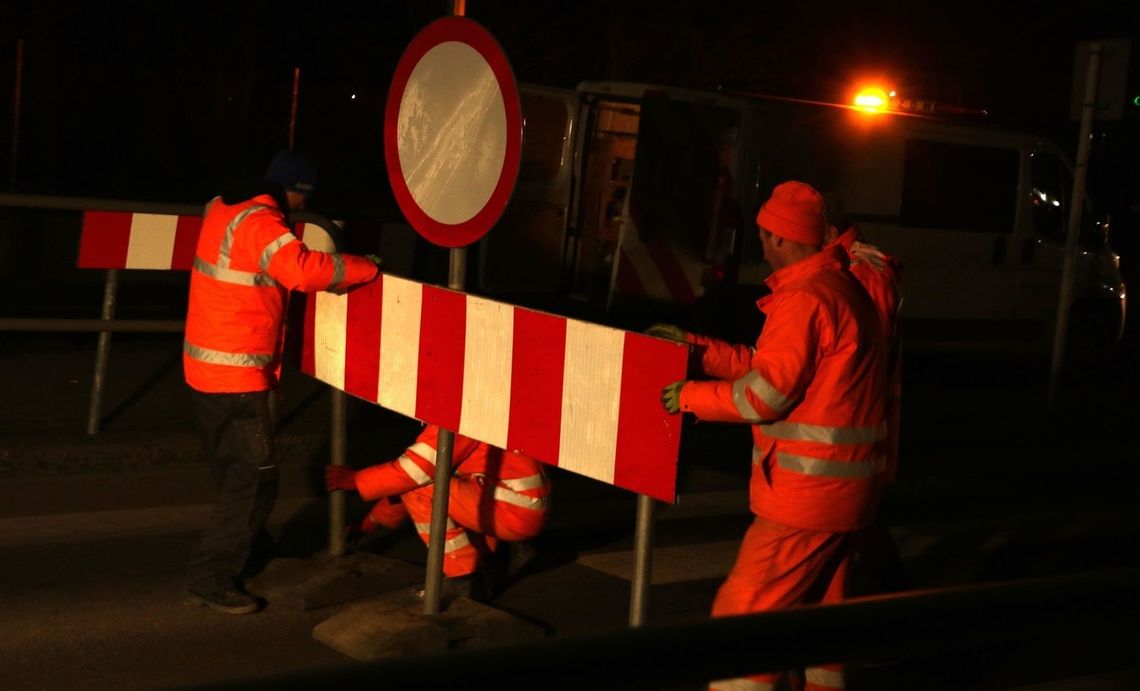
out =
column 451, row 133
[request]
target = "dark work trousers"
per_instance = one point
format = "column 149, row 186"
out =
column 237, row 431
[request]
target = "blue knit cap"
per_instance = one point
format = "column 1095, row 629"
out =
column 292, row 171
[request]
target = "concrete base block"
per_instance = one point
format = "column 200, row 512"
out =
column 394, row 625
column 312, row 583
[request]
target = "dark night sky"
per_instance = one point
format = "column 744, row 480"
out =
column 162, row 101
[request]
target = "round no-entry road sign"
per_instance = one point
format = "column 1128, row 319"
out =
column 453, row 132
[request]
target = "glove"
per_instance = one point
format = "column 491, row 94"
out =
column 671, row 396
column 673, row 333
column 340, row 477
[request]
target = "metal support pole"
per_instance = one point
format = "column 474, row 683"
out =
column 1073, row 228
column 643, row 561
column 456, row 280
column 339, row 456
column 102, row 353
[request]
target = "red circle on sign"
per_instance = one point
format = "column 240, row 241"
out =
column 474, row 35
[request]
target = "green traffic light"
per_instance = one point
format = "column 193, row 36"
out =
column 1136, row 101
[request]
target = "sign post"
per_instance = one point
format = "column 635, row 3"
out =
column 1073, row 227
column 452, row 144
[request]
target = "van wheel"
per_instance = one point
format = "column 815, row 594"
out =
column 1091, row 339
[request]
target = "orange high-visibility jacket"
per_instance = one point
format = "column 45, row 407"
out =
column 813, row 387
column 517, row 482
column 880, row 274
column 246, row 262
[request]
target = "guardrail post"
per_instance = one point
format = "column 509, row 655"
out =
column 102, row 353
column 643, row 561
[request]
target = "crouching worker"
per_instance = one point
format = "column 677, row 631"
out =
column 495, row 496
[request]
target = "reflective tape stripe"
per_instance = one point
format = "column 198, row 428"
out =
column 802, row 431
column 521, row 484
column 338, row 270
column 271, row 249
column 505, row 495
column 425, row 528
column 267, row 467
column 456, row 543
column 763, row 389
column 742, row 405
column 828, row 468
column 741, row 685
column 241, row 278
column 424, row 450
column 220, row 357
column 828, row 678
column 228, row 238
column 413, row 470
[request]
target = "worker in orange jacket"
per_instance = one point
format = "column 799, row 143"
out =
column 877, row 559
column 813, row 390
column 494, row 495
column 246, row 262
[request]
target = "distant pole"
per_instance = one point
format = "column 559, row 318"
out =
column 1073, row 229
column 16, row 89
column 293, row 106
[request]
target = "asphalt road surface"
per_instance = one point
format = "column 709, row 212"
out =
column 95, row 532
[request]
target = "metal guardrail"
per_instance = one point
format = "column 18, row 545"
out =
column 107, row 324
column 860, row 630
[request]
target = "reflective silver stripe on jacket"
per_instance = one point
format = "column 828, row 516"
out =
column 741, row 685
column 827, row 678
column 338, row 270
column 826, row 468
column 802, row 431
column 425, row 528
column 413, row 470
column 228, row 238
column 220, row 357
column 458, row 542
column 271, row 249
column 763, row 390
column 424, row 450
column 521, row 484
column 510, row 497
column 241, row 278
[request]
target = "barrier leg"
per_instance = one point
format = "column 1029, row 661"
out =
column 102, row 353
column 434, row 577
column 643, row 561
column 338, row 455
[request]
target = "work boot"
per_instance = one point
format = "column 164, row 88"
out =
column 472, row 586
column 227, row 600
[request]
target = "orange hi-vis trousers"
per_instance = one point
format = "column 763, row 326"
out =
column 780, row 566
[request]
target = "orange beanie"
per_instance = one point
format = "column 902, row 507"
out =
column 794, row 212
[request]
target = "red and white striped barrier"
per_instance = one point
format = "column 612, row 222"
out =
column 579, row 396
column 126, row 240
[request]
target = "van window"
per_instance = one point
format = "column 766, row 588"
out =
column 544, row 137
column 959, row 187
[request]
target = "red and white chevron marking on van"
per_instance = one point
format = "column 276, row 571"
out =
column 126, row 240
column 579, row 396
column 657, row 269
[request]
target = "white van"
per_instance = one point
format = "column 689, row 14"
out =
column 636, row 202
